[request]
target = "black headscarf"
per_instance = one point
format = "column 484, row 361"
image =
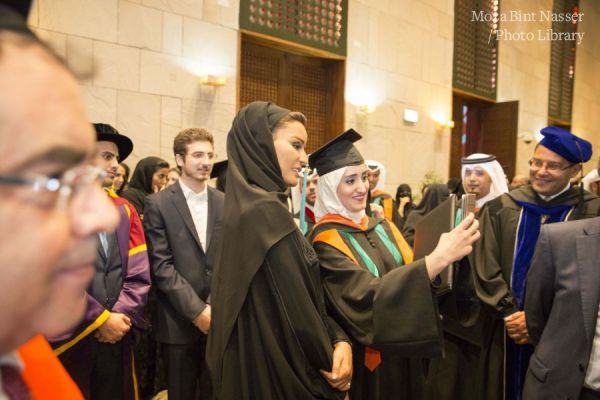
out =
column 403, row 189
column 140, row 185
column 255, row 215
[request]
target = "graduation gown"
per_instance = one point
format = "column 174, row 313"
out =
column 393, row 313
column 401, row 221
column 43, row 373
column 494, row 254
column 75, row 350
column 462, row 373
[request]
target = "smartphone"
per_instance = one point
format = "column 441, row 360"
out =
column 467, row 204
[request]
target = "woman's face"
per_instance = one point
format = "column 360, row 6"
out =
column 353, row 188
column 159, row 179
column 290, row 140
column 119, row 178
column 172, row 177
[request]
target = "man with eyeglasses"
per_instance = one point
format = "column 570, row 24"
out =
column 182, row 224
column 98, row 353
column 510, row 225
column 52, row 209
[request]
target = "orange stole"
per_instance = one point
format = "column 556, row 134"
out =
column 333, row 238
column 44, row 375
column 386, row 202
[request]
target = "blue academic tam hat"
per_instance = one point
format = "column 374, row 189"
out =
column 565, row 144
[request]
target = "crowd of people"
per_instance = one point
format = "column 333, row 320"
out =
column 120, row 287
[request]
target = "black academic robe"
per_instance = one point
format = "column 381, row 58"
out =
column 394, row 313
column 401, row 221
column 462, row 373
column 493, row 257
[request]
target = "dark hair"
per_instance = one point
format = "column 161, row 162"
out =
column 455, row 185
column 189, row 136
column 294, row 116
column 127, row 171
column 125, row 178
column 160, row 165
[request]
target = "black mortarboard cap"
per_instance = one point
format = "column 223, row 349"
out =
column 219, row 168
column 337, row 153
column 106, row 133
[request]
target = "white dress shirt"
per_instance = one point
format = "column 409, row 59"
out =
column 198, row 205
column 548, row 198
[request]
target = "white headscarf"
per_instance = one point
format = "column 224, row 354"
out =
column 592, row 176
column 374, row 166
column 327, row 200
column 496, row 173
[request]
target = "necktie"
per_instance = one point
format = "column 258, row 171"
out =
column 104, row 242
column 13, row 384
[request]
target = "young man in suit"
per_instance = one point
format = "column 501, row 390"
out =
column 182, row 225
column 562, row 313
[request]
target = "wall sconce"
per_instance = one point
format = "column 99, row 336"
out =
column 441, row 123
column 410, row 116
column 364, row 109
column 213, row 80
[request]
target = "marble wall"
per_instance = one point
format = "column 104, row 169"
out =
column 399, row 57
column 139, row 61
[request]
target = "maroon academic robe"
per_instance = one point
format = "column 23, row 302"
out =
column 75, row 350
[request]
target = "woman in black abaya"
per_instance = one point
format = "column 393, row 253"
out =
column 270, row 336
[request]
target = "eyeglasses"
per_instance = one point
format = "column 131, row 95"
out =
column 58, row 190
column 551, row 166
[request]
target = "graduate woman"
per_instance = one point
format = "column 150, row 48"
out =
column 270, row 336
column 380, row 297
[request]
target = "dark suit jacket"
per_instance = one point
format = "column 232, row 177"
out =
column 561, row 308
column 181, row 268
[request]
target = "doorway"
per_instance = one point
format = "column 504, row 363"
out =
column 295, row 80
column 482, row 126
